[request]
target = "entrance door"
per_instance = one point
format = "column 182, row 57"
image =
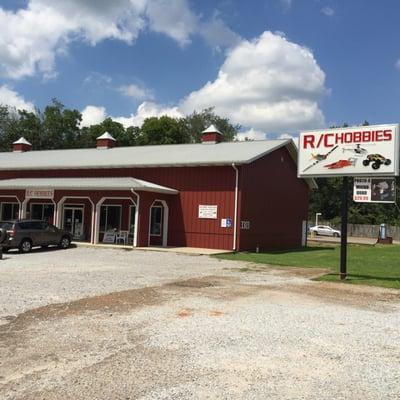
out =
column 73, row 221
column 156, row 224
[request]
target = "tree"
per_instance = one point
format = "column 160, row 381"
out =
column 195, row 123
column 162, row 130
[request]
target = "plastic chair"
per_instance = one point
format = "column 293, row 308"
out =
column 122, row 236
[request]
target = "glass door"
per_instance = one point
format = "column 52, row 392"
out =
column 73, row 222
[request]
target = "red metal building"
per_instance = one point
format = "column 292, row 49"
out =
column 237, row 195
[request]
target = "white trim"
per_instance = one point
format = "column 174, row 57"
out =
column 165, row 222
column 73, row 207
column 61, row 204
column 135, row 238
column 9, row 202
column 97, row 214
column 235, row 217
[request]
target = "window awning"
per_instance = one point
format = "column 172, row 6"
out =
column 122, row 183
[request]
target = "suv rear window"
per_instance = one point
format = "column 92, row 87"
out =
column 31, row 225
column 6, row 225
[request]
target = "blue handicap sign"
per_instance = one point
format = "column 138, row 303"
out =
column 229, row 222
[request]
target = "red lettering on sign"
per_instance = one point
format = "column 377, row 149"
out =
column 309, row 139
column 387, row 134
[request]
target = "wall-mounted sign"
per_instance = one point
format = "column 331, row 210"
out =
column 354, row 151
column 226, row 222
column 374, row 190
column 208, row 211
column 245, row 225
column 39, row 193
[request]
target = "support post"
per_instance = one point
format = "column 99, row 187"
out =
column 343, row 236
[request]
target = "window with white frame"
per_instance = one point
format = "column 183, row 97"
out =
column 156, row 220
column 110, row 218
column 43, row 211
column 9, row 211
column 132, row 219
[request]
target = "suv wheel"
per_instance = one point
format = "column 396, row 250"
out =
column 25, row 246
column 65, row 242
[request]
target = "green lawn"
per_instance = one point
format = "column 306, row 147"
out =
column 377, row 265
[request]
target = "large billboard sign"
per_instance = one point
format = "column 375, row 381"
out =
column 374, row 190
column 352, row 151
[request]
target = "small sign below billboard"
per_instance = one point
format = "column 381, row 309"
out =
column 208, row 211
column 374, row 190
column 352, row 151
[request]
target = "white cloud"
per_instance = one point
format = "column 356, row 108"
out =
column 11, row 98
column 33, row 36
column 269, row 84
column 251, row 134
column 147, row 110
column 218, row 35
column 93, row 115
column 287, row 136
column 397, row 64
column 136, row 92
column 173, row 18
column 328, row 11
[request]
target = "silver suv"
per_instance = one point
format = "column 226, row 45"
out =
column 27, row 233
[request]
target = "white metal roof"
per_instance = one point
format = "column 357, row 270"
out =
column 22, row 140
column 224, row 153
column 123, row 183
column 106, row 135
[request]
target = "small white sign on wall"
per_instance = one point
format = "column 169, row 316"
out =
column 245, row 225
column 39, row 193
column 226, row 222
column 208, row 211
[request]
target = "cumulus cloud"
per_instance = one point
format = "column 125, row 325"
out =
column 173, row 18
column 328, row 11
column 11, row 98
column 251, row 134
column 217, row 34
column 270, row 84
column 33, row 36
column 147, row 110
column 92, row 115
column 136, row 92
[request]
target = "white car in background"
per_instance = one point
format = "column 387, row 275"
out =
column 324, row 230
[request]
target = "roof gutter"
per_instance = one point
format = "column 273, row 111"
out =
column 236, row 206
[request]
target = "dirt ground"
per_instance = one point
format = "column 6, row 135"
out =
column 215, row 331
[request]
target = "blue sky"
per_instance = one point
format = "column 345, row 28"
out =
column 273, row 66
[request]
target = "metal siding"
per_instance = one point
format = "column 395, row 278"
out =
column 275, row 202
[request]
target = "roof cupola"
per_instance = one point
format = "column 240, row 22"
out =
column 211, row 135
column 21, row 145
column 105, row 141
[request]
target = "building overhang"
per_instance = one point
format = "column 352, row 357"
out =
column 112, row 184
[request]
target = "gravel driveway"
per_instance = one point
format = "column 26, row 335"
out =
column 111, row 324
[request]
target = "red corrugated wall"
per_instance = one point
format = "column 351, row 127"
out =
column 275, row 202
column 196, row 185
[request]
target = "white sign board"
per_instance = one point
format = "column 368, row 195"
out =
column 208, row 211
column 109, row 237
column 39, row 193
column 226, row 223
column 353, row 151
column 374, row 190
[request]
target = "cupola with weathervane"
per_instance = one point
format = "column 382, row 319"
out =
column 105, row 141
column 21, row 145
column 211, row 135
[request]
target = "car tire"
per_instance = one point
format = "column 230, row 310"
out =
column 65, row 242
column 25, row 246
column 336, row 235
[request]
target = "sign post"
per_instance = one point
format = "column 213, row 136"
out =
column 343, row 236
column 362, row 151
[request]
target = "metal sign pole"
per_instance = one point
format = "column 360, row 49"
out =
column 343, row 236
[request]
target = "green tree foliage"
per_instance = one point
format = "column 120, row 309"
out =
column 162, row 130
column 196, row 122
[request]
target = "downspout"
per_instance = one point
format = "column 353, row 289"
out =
column 135, row 238
column 236, row 206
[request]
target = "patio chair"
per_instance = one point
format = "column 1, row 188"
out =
column 122, row 236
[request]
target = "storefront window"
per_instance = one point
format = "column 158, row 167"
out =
column 44, row 212
column 132, row 220
column 110, row 218
column 9, row 211
column 155, row 221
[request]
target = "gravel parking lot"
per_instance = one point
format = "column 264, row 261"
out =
column 112, row 324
